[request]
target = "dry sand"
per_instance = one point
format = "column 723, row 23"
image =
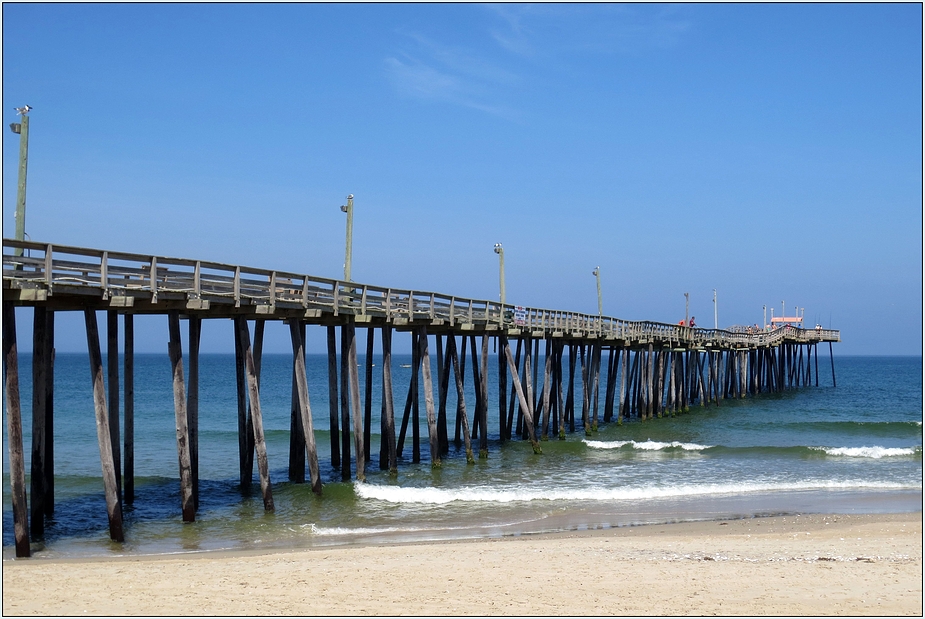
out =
column 802, row 565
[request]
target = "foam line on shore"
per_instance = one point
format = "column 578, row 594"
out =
column 482, row 494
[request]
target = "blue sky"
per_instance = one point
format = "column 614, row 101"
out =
column 770, row 151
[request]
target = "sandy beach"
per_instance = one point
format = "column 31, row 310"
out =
column 793, row 565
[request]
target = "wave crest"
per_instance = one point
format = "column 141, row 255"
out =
column 868, row 452
column 648, row 445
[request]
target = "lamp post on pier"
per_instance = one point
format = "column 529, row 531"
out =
column 348, row 208
column 500, row 251
column 600, row 303
column 22, row 128
column 687, row 307
column 715, row 315
column 764, row 308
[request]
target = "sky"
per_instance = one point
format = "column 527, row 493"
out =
column 772, row 152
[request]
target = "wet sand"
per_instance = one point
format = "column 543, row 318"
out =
column 785, row 565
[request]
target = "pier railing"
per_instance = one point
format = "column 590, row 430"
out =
column 121, row 278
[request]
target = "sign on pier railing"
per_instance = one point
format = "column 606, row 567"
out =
column 60, row 269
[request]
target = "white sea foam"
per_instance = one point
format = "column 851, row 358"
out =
column 867, row 452
column 484, row 494
column 648, row 445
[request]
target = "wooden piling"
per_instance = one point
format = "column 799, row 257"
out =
column 297, row 455
column 388, row 412
column 353, row 373
column 477, row 386
column 14, row 433
column 513, row 400
column 411, row 401
column 527, row 385
column 432, row 436
column 50, row 413
column 175, row 350
column 192, row 404
column 245, row 463
column 345, row 375
column 650, row 380
column 415, row 401
column 113, row 504
column 368, row 403
column 534, row 384
column 560, row 402
column 461, row 417
column 503, row 430
column 570, row 392
column 816, row 357
column 461, row 361
column 547, row 389
column 483, row 385
column 112, row 366
column 623, row 363
column 128, row 397
column 304, row 410
column 37, row 476
column 660, row 381
column 332, row 397
column 256, row 416
column 528, row 414
column 585, row 392
column 595, row 382
column 613, row 358
column 443, row 370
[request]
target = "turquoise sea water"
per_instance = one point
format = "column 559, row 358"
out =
column 856, row 448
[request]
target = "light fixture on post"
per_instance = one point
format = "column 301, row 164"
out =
column 22, row 128
column 348, row 208
column 715, row 316
column 600, row 303
column 500, row 251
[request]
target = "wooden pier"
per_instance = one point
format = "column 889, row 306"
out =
column 626, row 369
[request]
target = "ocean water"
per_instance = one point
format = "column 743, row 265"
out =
column 854, row 448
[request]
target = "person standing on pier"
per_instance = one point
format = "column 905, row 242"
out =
column 691, row 325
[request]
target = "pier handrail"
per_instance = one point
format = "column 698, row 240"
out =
column 119, row 274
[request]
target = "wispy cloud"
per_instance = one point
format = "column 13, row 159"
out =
column 455, row 75
column 531, row 30
column 415, row 79
column 518, row 39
